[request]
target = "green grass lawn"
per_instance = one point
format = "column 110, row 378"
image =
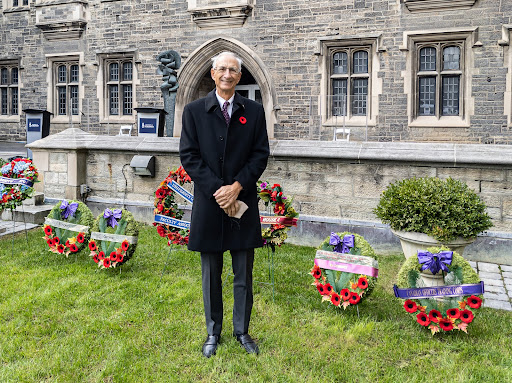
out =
column 64, row 320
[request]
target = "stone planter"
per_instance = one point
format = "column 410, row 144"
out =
column 412, row 242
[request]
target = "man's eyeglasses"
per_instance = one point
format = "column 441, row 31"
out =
column 231, row 70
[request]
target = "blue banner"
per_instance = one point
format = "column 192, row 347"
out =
column 34, row 124
column 147, row 125
column 439, row 291
column 16, row 181
column 181, row 192
column 172, row 222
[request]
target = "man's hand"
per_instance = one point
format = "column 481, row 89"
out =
column 232, row 210
column 227, row 195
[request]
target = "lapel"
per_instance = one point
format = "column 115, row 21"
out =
column 212, row 105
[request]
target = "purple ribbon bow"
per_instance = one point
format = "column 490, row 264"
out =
column 435, row 262
column 68, row 209
column 341, row 246
column 112, row 216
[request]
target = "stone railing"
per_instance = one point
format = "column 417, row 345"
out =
column 335, row 185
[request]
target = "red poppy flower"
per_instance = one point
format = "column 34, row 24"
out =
column 120, row 258
column 161, row 231
column 242, row 120
column 56, row 240
column 279, row 208
column 466, row 316
column 410, row 306
column 125, row 245
column 160, row 207
column 50, row 242
column 345, row 294
column 106, row 263
column 354, row 298
column 434, row 315
column 101, row 255
column 92, row 246
column 113, row 256
column 335, row 299
column 316, row 272
column 80, row 238
column 362, row 283
column 423, row 319
column 48, row 230
column 474, row 302
column 453, row 313
column 95, row 258
column 160, row 193
column 60, row 248
column 320, row 288
column 67, row 243
column 73, row 248
column 328, row 289
column 445, row 324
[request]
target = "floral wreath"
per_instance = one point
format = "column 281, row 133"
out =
column 342, row 288
column 12, row 193
column 447, row 313
column 67, row 227
column 276, row 234
column 167, row 206
column 114, row 238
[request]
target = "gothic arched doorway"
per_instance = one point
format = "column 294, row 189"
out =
column 195, row 81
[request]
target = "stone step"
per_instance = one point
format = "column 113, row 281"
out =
column 29, row 214
column 7, row 227
column 36, row 200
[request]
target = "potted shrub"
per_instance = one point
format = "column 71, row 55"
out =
column 425, row 212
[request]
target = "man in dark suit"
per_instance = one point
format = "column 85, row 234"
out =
column 224, row 148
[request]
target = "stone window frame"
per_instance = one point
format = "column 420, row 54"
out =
column 327, row 47
column 413, row 42
column 9, row 86
column 9, row 6
column 53, row 61
column 507, row 57
column 437, row 5
column 104, row 60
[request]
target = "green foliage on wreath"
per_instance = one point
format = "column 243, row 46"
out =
column 340, row 280
column 443, row 209
column 82, row 216
column 126, row 226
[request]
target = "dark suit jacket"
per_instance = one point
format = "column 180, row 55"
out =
column 214, row 154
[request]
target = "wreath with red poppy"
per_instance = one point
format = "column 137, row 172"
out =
column 13, row 194
column 166, row 205
column 341, row 288
column 447, row 313
column 273, row 196
column 67, row 227
column 120, row 242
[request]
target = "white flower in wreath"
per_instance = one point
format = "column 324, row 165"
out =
column 6, row 168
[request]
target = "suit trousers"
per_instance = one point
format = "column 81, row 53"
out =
column 211, row 269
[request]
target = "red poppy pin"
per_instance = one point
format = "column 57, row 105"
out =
column 243, row 120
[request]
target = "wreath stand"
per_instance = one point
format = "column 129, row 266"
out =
column 171, row 249
column 14, row 227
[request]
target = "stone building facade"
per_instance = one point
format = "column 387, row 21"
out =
column 385, row 70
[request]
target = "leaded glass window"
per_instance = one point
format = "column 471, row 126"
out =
column 350, row 82
column 67, row 92
column 438, row 80
column 9, row 89
column 119, row 86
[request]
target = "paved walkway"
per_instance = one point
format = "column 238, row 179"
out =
column 10, row 149
column 497, row 283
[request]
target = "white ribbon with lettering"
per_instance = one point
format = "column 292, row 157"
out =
column 113, row 237
column 66, row 225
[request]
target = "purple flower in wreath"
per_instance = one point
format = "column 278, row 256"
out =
column 263, row 185
column 435, row 262
column 341, row 246
column 112, row 216
column 68, row 209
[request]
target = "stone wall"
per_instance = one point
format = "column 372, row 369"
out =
column 335, row 185
column 284, row 35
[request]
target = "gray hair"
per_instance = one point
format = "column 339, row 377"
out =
column 227, row 53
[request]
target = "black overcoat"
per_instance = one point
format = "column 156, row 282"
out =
column 214, row 155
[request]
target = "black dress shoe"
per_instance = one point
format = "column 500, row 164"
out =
column 248, row 343
column 210, row 345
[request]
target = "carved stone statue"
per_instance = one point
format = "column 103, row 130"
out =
column 170, row 62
